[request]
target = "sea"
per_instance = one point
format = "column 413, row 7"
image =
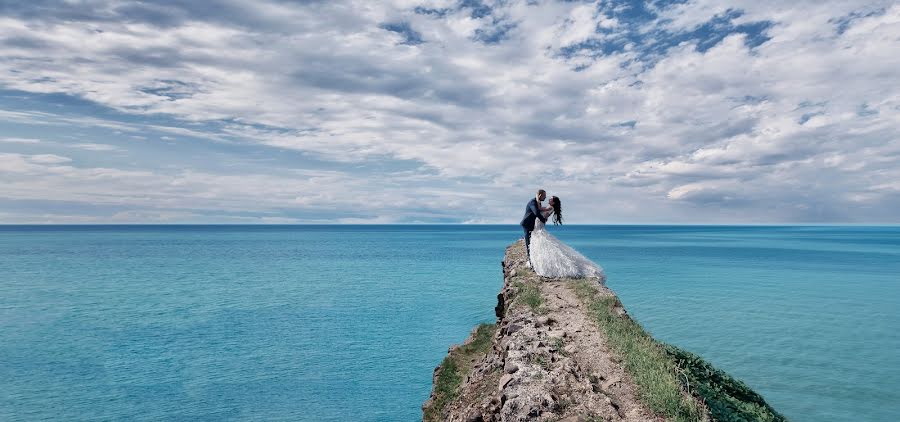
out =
column 347, row 322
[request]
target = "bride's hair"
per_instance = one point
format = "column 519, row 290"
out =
column 557, row 210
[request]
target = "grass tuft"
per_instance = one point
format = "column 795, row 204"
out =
column 530, row 295
column 558, row 345
column 454, row 368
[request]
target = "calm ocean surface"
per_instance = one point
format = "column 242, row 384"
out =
column 336, row 323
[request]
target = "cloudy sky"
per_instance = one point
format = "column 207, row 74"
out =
column 408, row 111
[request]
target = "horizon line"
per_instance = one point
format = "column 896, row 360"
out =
column 451, row 224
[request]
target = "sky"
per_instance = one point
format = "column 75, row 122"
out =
column 408, row 111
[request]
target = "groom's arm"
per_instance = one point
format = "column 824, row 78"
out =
column 534, row 209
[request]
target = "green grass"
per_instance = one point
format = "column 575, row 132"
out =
column 558, row 344
column 454, row 368
column 645, row 360
column 541, row 361
column 530, row 295
column 728, row 399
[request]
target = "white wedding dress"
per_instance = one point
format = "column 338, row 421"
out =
column 550, row 257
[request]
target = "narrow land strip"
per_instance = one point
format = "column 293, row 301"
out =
column 566, row 350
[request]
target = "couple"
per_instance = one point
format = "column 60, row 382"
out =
column 547, row 255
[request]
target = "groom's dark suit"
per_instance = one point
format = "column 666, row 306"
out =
column 532, row 212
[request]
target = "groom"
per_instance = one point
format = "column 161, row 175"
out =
column 532, row 211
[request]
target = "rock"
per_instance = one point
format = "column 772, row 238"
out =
column 570, row 348
column 505, row 379
column 610, row 382
column 548, row 400
column 511, row 368
column 557, row 334
column 475, row 416
column 512, row 328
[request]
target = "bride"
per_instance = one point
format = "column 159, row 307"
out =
column 550, row 257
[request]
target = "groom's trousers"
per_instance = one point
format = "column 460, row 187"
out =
column 527, row 244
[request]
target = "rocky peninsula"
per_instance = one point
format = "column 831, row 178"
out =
column 566, row 350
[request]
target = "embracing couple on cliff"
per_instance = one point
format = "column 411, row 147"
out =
column 547, row 255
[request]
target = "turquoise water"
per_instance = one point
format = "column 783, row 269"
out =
column 321, row 323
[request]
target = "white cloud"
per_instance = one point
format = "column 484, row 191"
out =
column 95, row 147
column 799, row 128
column 48, row 159
column 20, row 140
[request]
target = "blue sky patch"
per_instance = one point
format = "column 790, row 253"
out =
column 410, row 36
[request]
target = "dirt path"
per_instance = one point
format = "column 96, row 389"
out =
column 586, row 345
